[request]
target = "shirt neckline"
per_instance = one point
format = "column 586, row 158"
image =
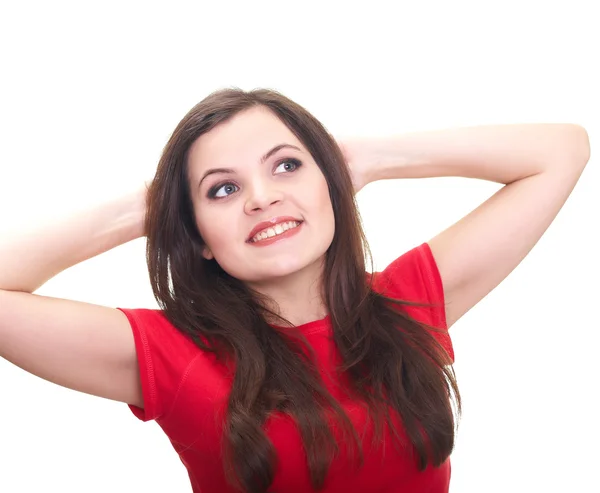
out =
column 309, row 327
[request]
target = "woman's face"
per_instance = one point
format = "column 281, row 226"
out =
column 261, row 202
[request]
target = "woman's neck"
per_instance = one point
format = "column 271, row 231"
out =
column 298, row 297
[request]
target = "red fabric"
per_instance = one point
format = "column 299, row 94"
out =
column 186, row 392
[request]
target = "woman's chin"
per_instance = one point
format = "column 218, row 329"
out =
column 281, row 269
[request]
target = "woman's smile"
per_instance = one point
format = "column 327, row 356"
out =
column 280, row 231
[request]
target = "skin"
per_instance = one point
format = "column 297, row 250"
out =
column 289, row 270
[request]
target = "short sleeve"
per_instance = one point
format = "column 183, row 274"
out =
column 414, row 277
column 163, row 354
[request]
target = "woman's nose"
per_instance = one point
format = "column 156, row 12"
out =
column 261, row 197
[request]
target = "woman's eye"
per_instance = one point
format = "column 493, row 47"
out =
column 223, row 190
column 288, row 166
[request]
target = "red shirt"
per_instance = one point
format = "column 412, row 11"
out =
column 186, row 392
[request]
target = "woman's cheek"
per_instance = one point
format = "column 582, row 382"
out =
column 217, row 234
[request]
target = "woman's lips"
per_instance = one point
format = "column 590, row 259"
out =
column 282, row 236
column 269, row 224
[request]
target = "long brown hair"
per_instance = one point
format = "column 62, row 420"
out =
column 392, row 363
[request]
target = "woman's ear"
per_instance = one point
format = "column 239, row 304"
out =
column 207, row 254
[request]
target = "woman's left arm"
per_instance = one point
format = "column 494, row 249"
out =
column 539, row 165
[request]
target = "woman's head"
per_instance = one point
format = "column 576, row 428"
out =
column 245, row 158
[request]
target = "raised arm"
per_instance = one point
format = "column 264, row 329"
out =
column 81, row 346
column 539, row 165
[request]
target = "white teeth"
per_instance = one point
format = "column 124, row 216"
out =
column 274, row 231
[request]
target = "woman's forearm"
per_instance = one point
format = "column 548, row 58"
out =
column 29, row 260
column 499, row 153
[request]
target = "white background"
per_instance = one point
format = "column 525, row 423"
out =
column 91, row 92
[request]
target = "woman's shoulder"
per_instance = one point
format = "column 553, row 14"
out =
column 412, row 276
column 166, row 357
column 154, row 332
column 151, row 320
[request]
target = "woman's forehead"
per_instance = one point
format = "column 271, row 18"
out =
column 244, row 138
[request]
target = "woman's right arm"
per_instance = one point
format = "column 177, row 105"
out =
column 81, row 346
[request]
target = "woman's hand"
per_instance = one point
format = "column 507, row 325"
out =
column 360, row 159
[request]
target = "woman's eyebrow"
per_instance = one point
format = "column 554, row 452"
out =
column 272, row 151
column 212, row 171
column 277, row 148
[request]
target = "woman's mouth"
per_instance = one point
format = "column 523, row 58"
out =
column 274, row 233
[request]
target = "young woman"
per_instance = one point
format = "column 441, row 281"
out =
column 276, row 362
